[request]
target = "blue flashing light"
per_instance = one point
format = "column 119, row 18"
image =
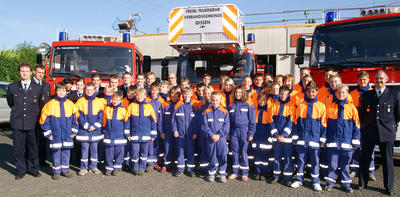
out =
column 62, row 36
column 330, row 17
column 126, row 37
column 251, row 37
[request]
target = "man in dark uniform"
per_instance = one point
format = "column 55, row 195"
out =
column 127, row 78
column 41, row 140
column 24, row 99
column 379, row 115
column 96, row 80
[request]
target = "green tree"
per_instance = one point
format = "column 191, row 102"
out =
column 10, row 59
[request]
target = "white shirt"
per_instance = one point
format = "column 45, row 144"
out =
column 377, row 91
column 28, row 84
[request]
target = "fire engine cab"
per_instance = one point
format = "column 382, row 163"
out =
column 84, row 55
column 210, row 39
column 367, row 43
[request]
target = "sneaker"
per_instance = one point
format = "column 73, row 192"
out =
column 316, row 187
column 328, row 188
column 163, row 169
column 116, row 172
column 222, row 179
column 348, row 190
column 191, row 174
column 126, row 168
column 287, row 183
column 295, row 184
column 55, row 177
column 201, row 174
column 178, row 174
column 372, row 177
column 245, row 178
column 108, row 173
column 136, row 172
column 273, row 181
column 257, row 176
column 210, row 178
column 82, row 172
column 157, row 167
column 353, row 174
column 149, row 169
column 232, row 176
column 262, row 177
column 140, row 172
column 67, row 175
column 95, row 171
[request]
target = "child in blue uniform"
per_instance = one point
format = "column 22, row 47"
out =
column 141, row 119
column 184, row 127
column 90, row 117
column 242, row 129
column 262, row 138
column 283, row 113
column 114, row 138
column 215, row 125
column 58, row 121
column 342, row 137
column 154, row 146
column 167, row 134
column 309, row 135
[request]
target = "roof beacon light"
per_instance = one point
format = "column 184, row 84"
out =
column 126, row 37
column 62, row 36
column 330, row 17
column 251, row 37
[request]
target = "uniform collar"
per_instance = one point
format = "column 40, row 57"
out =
column 28, row 83
column 382, row 91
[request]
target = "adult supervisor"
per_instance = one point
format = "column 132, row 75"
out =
column 24, row 98
column 379, row 115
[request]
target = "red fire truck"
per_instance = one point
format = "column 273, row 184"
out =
column 367, row 43
column 210, row 39
column 91, row 54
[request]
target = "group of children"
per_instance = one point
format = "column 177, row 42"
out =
column 271, row 124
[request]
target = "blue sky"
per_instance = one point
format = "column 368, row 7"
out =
column 37, row 21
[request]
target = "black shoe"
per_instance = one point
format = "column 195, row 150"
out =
column 257, row 177
column 262, row 178
column 135, row 172
column 177, row 173
column 201, row 174
column 348, row 190
column 191, row 174
column 140, row 172
column 389, row 192
column 329, row 188
column 19, row 176
column 287, row 183
column 35, row 174
column 372, row 177
column 360, row 187
column 273, row 181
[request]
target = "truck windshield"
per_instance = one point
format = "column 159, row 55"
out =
column 193, row 66
column 358, row 43
column 87, row 60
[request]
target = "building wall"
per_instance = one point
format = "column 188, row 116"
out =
column 270, row 40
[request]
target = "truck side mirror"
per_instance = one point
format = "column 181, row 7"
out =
column 146, row 64
column 165, row 62
column 39, row 58
column 300, row 45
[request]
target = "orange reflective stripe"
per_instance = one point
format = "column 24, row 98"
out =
column 230, row 21
column 176, row 36
column 228, row 33
column 180, row 19
column 173, row 13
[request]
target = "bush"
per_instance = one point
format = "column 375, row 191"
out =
column 10, row 59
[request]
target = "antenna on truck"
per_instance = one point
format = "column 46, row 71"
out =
column 126, row 26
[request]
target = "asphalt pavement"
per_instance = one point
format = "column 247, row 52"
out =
column 155, row 183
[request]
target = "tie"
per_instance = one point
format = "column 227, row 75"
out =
column 79, row 94
column 379, row 93
column 25, row 87
column 40, row 83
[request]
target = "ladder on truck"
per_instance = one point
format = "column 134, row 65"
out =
column 317, row 15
